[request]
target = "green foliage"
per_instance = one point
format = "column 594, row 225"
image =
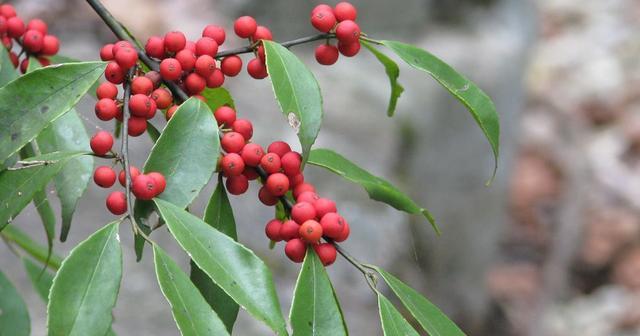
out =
column 218, row 97
column 393, row 324
column 40, row 279
column 38, row 252
column 393, row 72
column 14, row 317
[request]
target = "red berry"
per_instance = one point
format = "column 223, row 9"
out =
column 152, row 109
column 126, row 57
column 245, row 26
column 231, row 65
column 295, row 250
column 14, row 59
column 139, row 105
column 251, row 154
column 44, row 61
column 232, row 164
column 7, row 10
column 345, row 233
column 106, row 52
column 326, row 252
column 323, row 20
column 250, row 173
column 244, row 127
column 324, row 206
column 349, row 49
column 279, row 147
column 104, row 176
column 261, row 54
column 206, row 46
column 170, row 69
column 205, row 65
column 332, row 225
column 15, row 27
column 174, row 41
column 187, row 59
column 107, row 90
column 114, row 73
column 155, row 47
column 291, row 163
column 296, row 180
column 277, row 184
column 161, row 182
column 24, row 65
column 119, row 45
column 232, row 142
column 298, row 190
column 101, row 143
column 302, row 212
column 270, row 162
column 39, row 25
column 3, row 25
column 266, row 197
column 215, row 32
column 237, row 185
column 141, row 85
column 155, row 78
column 309, row 197
column 225, row 115
column 289, row 230
column 321, row 7
column 7, row 42
column 347, row 31
column 262, row 33
column 106, row 109
column 50, row 45
column 272, row 230
column 137, row 126
column 133, row 172
column 257, row 69
column 144, row 187
column 327, row 54
column 310, row 231
column 170, row 111
column 191, row 46
column 216, row 79
column 162, row 97
column 345, row 11
column 32, row 41
column 194, row 84
column 117, row 203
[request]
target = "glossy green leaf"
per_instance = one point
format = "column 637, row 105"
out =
column 297, row 92
column 233, row 267
column 393, row 72
column 40, row 279
column 14, row 317
column 432, row 319
column 85, row 288
column 315, row 309
column 219, row 215
column 32, row 248
column 217, row 97
column 192, row 313
column 393, row 323
column 7, row 71
column 377, row 188
column 68, row 133
column 468, row 93
column 18, row 187
column 30, row 103
column 153, row 132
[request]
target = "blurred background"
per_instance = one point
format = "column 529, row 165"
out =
column 551, row 248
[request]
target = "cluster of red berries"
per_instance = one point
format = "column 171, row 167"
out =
column 312, row 217
column 32, row 38
column 339, row 20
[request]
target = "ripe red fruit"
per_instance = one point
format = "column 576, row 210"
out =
column 107, row 90
column 152, row 109
column 3, row 25
column 33, row 40
column 310, row 231
column 104, row 176
column 232, row 142
column 50, row 45
column 24, row 65
column 279, row 147
column 266, row 197
column 257, row 69
column 349, row 49
column 261, row 55
column 144, row 187
column 270, row 162
column 324, row 206
column 232, row 164
column 133, row 172
column 137, row 126
column 44, row 61
column 215, row 32
column 309, row 197
column 321, row 7
column 272, row 230
column 119, row 45
column 117, row 203
column 15, row 27
column 101, row 143
column 244, row 127
column 7, row 10
column 295, row 250
column 326, row 252
column 205, row 65
column 162, row 97
column 345, row 11
column 141, row 85
column 155, row 78
column 296, row 180
column 7, row 42
column 161, row 182
column 326, row 54
column 39, row 25
column 225, row 115
column 323, row 20
column 114, row 73
column 289, row 230
column 170, row 69
column 277, row 184
column 298, row 190
column 216, row 79
column 187, row 59
column 302, row 212
column 237, row 185
column 231, row 65
column 332, row 225
column 251, row 154
column 170, row 112
column 347, row 31
column 291, row 163
column 206, row 46
column 155, row 47
column 250, row 173
column 139, row 105
column 126, row 57
column 245, row 26
column 345, row 233
column 106, row 52
column 262, row 33
column 106, row 109
column 174, row 41
column 194, row 84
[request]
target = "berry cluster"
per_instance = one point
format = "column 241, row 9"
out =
column 32, row 38
column 339, row 20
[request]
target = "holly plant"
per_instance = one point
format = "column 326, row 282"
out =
column 43, row 140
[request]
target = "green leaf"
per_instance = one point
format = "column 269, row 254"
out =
column 434, row 321
column 30, row 103
column 297, row 92
column 392, row 70
column 35, row 250
column 14, row 317
column 219, row 215
column 18, row 187
column 85, row 288
column 190, row 311
column 7, row 71
column 218, row 97
column 68, row 133
column 315, row 309
column 233, row 267
column 468, row 93
column 393, row 323
column 377, row 188
column 153, row 132
column 41, row 279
